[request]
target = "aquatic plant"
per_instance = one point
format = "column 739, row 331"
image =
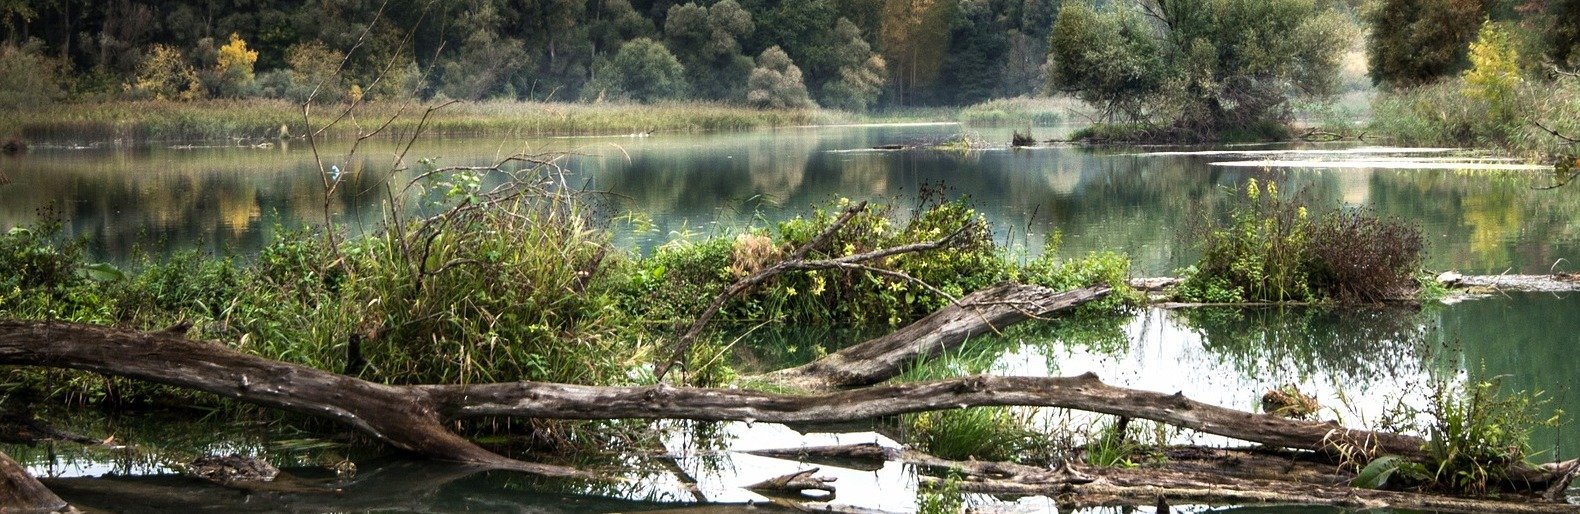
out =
column 940, row 497
column 1476, row 432
column 1272, row 249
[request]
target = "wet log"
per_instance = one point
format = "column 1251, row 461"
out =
column 400, row 416
column 979, row 313
column 1098, row 486
column 1212, row 476
column 410, row 417
column 21, row 493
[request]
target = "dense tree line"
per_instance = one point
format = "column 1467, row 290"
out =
column 1417, row 42
column 851, row 54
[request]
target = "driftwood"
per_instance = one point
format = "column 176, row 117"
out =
column 796, row 485
column 407, row 417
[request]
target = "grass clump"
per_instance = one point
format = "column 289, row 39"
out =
column 1476, row 433
column 1273, row 250
column 682, row 277
column 982, row 433
column 940, row 497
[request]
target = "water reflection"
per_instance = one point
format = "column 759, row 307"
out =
column 1143, row 204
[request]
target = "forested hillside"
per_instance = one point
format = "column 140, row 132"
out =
column 850, row 54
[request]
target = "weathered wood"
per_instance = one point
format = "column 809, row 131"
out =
column 400, row 416
column 409, row 417
column 1192, row 475
column 21, row 493
column 795, row 485
column 1085, row 392
column 976, row 314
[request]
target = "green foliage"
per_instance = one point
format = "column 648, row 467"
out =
column 1108, row 58
column 1476, row 433
column 1206, row 69
column 485, row 60
column 1417, row 42
column 707, row 41
column 861, row 71
column 1563, row 35
column 187, row 282
column 1273, row 250
column 164, row 74
column 1020, row 111
column 776, row 83
column 971, row 68
column 982, row 433
column 1119, row 445
column 28, row 78
column 1493, row 80
column 1389, row 471
column 940, row 497
column 315, row 67
column 643, row 70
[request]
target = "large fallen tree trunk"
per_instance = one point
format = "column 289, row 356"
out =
column 401, row 416
column 412, row 417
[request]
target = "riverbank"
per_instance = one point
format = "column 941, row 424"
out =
column 261, row 121
column 255, row 122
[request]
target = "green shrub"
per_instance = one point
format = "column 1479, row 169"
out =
column 1273, row 250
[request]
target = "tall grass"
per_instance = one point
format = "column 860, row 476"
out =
column 256, row 121
column 1023, row 111
column 1443, row 114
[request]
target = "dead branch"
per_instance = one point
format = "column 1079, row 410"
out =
column 974, row 315
column 795, row 485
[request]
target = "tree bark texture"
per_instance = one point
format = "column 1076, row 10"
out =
column 21, row 493
column 976, row 314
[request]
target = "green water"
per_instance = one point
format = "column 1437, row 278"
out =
column 155, row 200
column 233, row 199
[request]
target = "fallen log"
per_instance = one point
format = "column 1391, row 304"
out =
column 1212, row 476
column 410, row 417
column 979, row 313
column 21, row 493
column 400, row 416
column 413, row 417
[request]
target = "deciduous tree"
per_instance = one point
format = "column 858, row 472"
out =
column 1414, row 42
column 776, row 82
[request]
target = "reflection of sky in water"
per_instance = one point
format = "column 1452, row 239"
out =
column 689, row 185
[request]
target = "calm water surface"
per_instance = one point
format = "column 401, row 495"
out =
column 1149, row 206
column 1384, row 361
